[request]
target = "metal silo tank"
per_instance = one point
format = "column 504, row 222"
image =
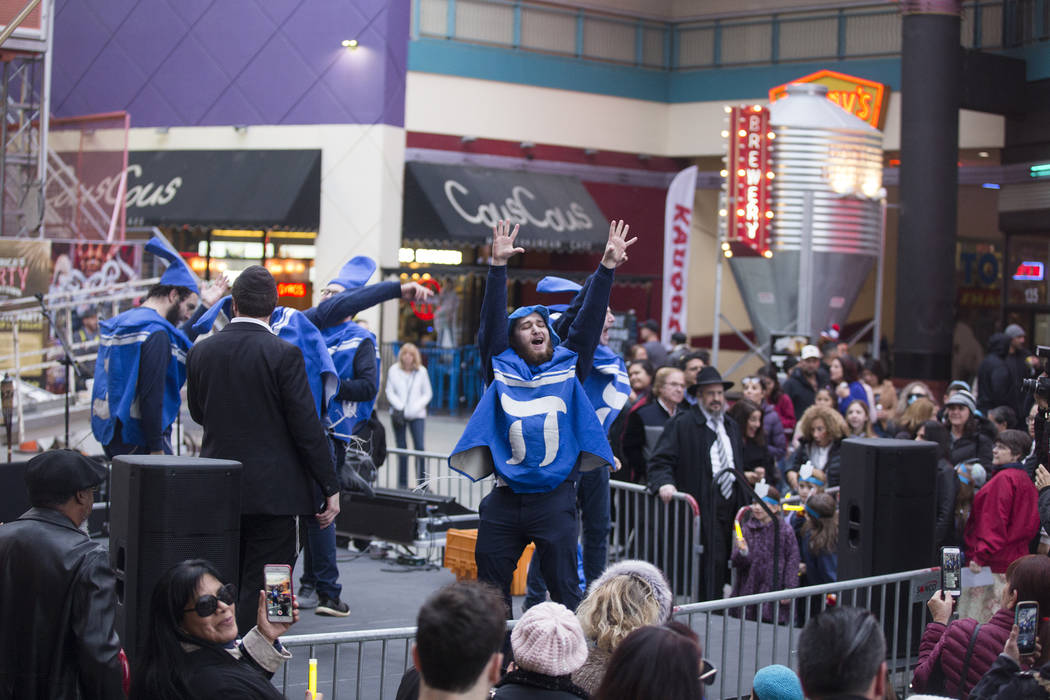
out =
column 828, row 167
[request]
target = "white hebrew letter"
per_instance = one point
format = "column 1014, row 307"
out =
column 549, row 405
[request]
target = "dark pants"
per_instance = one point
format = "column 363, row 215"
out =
column 320, row 569
column 265, row 539
column 415, row 425
column 593, row 503
column 721, row 547
column 508, row 521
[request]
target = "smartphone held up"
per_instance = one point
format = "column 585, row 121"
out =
column 1026, row 617
column 951, row 571
column 278, row 578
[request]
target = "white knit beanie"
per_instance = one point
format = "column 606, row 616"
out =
column 548, row 639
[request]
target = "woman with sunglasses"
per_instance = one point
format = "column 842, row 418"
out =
column 191, row 648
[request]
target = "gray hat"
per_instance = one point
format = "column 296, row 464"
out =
column 61, row 473
column 643, row 571
column 962, row 398
column 1014, row 331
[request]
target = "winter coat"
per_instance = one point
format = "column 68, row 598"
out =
column 1044, row 508
column 776, row 439
column 1006, row 681
column 520, row 684
column 755, row 569
column 994, row 375
column 976, row 445
column 946, row 647
column 683, row 458
column 212, row 673
column 59, row 642
column 820, row 568
column 590, row 675
column 831, row 469
column 946, row 487
column 802, row 393
column 644, row 426
column 1003, row 520
column 857, row 392
column 786, row 410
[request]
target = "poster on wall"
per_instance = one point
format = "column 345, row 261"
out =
column 86, row 266
column 25, row 268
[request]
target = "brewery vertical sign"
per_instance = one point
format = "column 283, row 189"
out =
column 678, row 219
column 748, row 179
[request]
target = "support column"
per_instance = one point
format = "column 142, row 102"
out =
column 930, row 86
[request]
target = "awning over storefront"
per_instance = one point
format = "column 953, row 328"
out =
column 456, row 204
column 254, row 189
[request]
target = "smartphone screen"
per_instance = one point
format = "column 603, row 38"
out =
column 951, row 570
column 278, row 592
column 1026, row 617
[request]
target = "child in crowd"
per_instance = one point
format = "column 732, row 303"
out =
column 776, row 682
column 810, row 481
column 971, row 477
column 753, row 553
column 820, row 540
column 858, row 419
column 548, row 645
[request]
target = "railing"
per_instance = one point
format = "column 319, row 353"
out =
column 829, row 33
column 455, row 374
column 440, row 480
column 370, row 663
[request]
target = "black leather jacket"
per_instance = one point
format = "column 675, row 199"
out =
column 58, row 596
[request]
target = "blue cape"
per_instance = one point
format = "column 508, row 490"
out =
column 342, row 341
column 534, row 426
column 607, row 386
column 293, row 326
column 113, row 395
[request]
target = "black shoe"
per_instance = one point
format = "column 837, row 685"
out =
column 332, row 607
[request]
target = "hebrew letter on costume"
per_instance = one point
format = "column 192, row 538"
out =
column 549, row 406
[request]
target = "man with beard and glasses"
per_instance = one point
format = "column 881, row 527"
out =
column 535, row 426
column 699, row 452
column 141, row 363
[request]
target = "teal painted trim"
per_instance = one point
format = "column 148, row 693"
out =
column 754, row 82
column 1036, row 58
column 450, row 20
column 568, row 73
column 415, row 18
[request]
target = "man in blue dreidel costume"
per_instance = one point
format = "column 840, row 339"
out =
column 607, row 389
column 141, row 364
column 534, row 426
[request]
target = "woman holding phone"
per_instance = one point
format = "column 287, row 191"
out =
column 944, row 648
column 192, row 650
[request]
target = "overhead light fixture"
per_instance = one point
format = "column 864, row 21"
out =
column 983, row 154
column 349, row 43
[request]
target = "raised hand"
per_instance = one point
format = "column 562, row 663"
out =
column 273, row 630
column 503, row 243
column 413, row 291
column 616, row 248
column 215, row 290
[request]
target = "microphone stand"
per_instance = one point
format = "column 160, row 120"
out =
column 68, row 360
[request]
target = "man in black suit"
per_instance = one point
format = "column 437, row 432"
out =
column 249, row 390
column 699, row 453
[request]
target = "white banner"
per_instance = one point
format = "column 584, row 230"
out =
column 678, row 219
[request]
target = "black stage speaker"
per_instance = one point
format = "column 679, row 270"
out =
column 166, row 509
column 392, row 514
column 887, row 509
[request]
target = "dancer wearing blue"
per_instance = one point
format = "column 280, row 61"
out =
column 141, row 364
column 607, row 389
column 534, row 426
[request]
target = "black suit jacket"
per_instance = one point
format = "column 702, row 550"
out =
column 248, row 388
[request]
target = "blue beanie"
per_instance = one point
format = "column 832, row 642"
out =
column 777, row 682
column 356, row 272
column 178, row 273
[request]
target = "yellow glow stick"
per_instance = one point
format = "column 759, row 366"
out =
column 312, row 682
column 795, row 508
column 739, row 532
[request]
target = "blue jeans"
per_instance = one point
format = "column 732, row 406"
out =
column 320, row 569
column 593, row 500
column 508, row 521
column 416, row 426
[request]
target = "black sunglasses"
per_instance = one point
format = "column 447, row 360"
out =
column 207, row 604
column 707, row 672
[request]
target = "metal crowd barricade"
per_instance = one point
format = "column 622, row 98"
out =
column 667, row 536
column 370, row 663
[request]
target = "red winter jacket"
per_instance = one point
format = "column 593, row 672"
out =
column 945, row 647
column 1003, row 520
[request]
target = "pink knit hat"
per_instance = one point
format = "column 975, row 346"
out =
column 548, row 639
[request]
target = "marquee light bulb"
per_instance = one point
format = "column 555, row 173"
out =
column 723, row 173
column 767, row 253
column 725, row 134
column 742, row 133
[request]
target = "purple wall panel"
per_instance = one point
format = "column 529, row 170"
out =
column 197, row 62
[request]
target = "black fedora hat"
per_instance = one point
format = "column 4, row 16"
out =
column 708, row 375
